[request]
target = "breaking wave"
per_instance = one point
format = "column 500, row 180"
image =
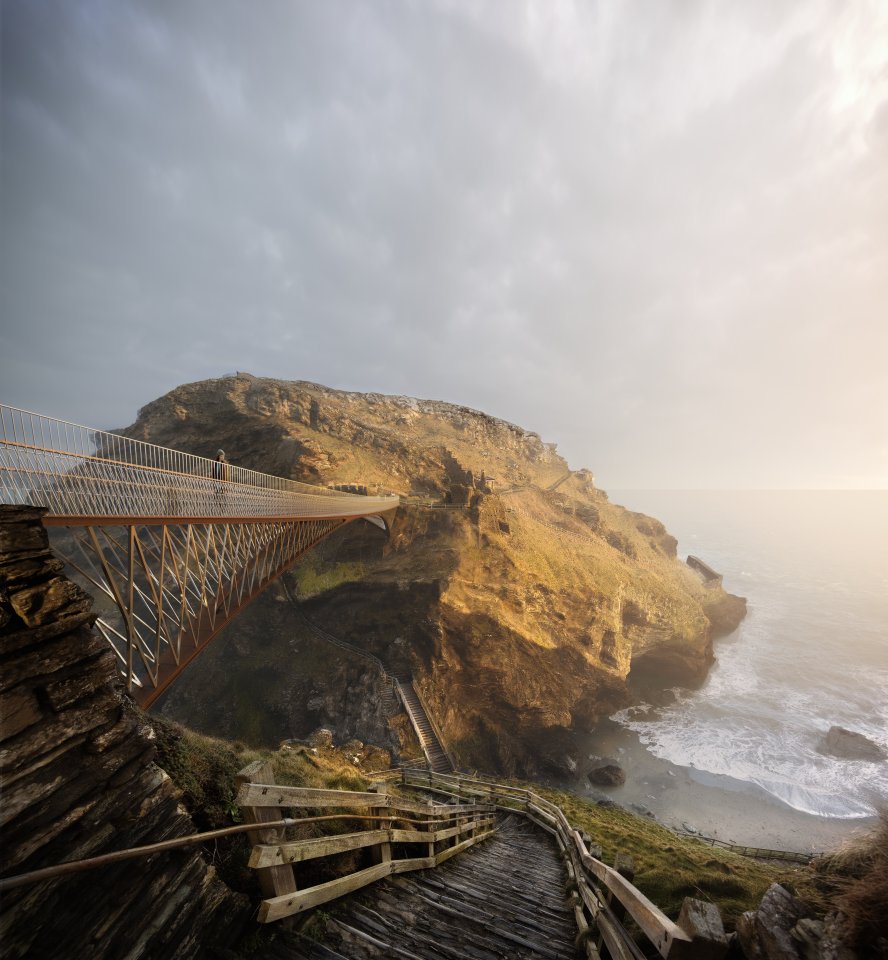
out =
column 810, row 655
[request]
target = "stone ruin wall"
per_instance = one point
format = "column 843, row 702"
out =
column 78, row 780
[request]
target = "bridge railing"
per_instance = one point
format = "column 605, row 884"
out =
column 603, row 894
column 398, row 835
column 76, row 471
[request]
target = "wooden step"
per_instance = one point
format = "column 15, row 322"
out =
column 501, row 898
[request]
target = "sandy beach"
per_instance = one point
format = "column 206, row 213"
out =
column 682, row 798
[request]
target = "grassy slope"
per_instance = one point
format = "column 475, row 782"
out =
column 669, row 867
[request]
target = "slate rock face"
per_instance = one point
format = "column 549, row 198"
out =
column 766, row 933
column 78, row 780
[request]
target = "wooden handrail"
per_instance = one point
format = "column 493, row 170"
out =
column 441, row 831
column 698, row 933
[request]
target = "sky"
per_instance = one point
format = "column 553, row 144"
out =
column 654, row 233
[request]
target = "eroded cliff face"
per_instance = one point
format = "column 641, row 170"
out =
column 79, row 781
column 518, row 596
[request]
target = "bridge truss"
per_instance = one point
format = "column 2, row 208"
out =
column 179, row 543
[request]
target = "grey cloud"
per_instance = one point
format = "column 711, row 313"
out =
column 647, row 234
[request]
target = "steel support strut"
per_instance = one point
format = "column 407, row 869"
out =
column 177, row 587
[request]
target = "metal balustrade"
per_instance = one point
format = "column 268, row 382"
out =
column 80, row 474
column 179, row 543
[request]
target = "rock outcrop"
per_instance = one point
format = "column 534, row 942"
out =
column 766, row 933
column 519, row 598
column 609, row 775
column 79, row 781
column 785, row 928
column 850, row 745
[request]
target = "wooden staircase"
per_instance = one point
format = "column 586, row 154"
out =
column 502, row 898
column 436, row 754
column 512, row 878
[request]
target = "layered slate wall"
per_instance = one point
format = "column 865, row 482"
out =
column 78, row 780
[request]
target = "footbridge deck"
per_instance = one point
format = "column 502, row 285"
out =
column 179, row 543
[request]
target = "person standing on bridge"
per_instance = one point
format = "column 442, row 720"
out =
column 220, row 472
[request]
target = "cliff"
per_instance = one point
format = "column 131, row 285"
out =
column 524, row 603
column 79, row 780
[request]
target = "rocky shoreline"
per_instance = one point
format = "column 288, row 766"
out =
column 690, row 801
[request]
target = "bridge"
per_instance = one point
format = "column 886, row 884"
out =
column 179, row 543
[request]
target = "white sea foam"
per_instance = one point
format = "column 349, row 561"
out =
column 810, row 654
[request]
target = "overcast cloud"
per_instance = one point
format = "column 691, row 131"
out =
column 656, row 233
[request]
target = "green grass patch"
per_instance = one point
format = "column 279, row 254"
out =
column 205, row 770
column 313, row 578
column 669, row 867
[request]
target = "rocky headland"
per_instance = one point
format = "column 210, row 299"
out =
column 524, row 603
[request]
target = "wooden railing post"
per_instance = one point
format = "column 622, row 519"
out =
column 383, row 852
column 625, row 866
column 278, row 880
column 431, row 830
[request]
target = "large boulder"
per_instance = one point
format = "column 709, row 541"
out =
column 850, row 745
column 765, row 934
column 610, row 775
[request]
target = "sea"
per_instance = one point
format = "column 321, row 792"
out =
column 811, row 653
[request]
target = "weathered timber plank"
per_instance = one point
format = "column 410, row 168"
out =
column 425, row 863
column 266, row 795
column 450, row 851
column 614, row 942
column 657, row 927
column 276, row 908
column 423, row 836
column 521, row 916
column 277, row 880
column 415, row 863
column 583, row 928
column 465, row 911
column 593, row 904
column 543, row 815
column 441, row 914
column 523, row 903
column 456, row 934
column 429, row 789
column 417, row 806
column 269, row 795
column 389, row 949
column 456, row 780
column 269, row 855
column 412, row 836
column 543, row 825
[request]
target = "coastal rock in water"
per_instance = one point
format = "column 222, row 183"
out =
column 850, row 745
column 766, row 932
column 610, row 775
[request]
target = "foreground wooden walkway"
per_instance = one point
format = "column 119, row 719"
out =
column 504, row 897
